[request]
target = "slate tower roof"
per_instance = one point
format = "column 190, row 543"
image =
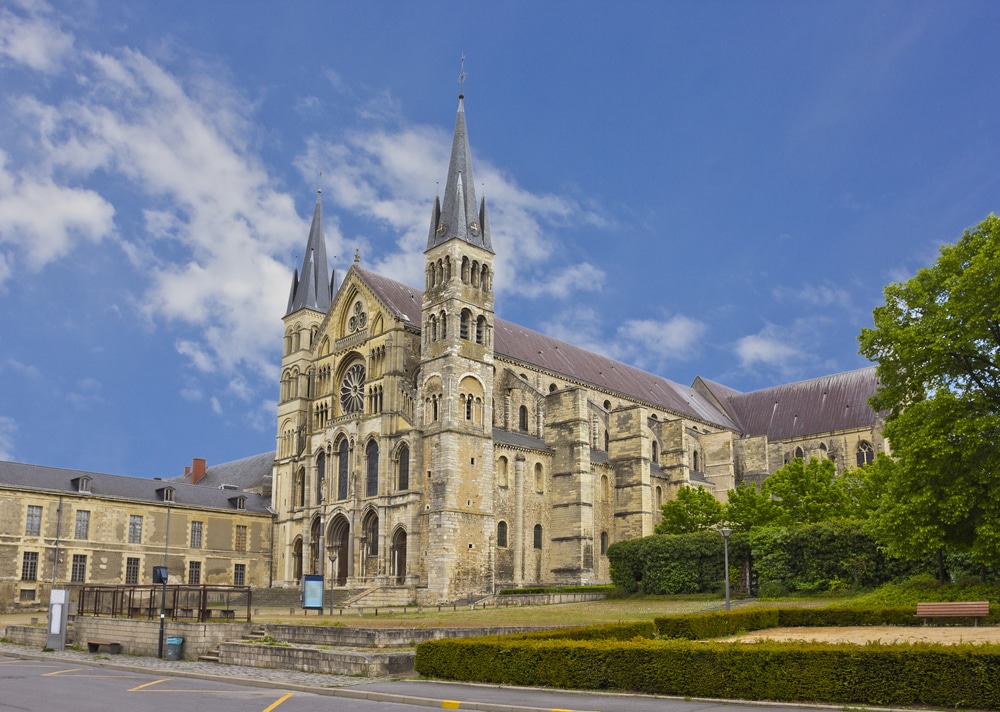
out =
column 313, row 289
column 458, row 216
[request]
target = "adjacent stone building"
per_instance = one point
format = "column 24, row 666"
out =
column 429, row 451
column 65, row 528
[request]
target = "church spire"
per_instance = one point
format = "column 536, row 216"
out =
column 312, row 289
column 458, row 216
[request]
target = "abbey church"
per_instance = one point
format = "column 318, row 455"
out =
column 429, row 451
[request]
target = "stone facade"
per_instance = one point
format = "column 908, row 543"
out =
column 66, row 528
column 428, row 448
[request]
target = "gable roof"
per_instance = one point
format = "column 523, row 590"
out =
column 819, row 405
column 532, row 348
column 136, row 489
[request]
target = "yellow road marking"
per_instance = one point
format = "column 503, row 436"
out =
column 450, row 704
column 60, row 672
column 278, row 702
column 154, row 682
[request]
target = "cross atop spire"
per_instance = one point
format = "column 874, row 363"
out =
column 461, row 79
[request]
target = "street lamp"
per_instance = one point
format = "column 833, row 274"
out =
column 726, row 533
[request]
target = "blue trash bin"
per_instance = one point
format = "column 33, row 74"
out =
column 174, row 648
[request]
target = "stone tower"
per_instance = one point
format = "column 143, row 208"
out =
column 456, row 384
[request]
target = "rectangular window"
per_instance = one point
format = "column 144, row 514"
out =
column 27, row 594
column 29, row 567
column 33, row 522
column 78, row 573
column 82, row 524
column 239, row 574
column 131, row 571
column 196, row 528
column 194, row 572
column 241, row 537
column 135, row 529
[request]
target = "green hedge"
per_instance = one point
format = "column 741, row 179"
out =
column 952, row 676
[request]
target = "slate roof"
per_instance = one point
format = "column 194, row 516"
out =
column 136, row 489
column 522, row 440
column 245, row 474
column 312, row 289
column 819, row 405
column 545, row 352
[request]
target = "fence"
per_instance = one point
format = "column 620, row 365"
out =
column 193, row 603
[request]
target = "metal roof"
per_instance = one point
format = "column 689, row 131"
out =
column 819, row 405
column 137, row 489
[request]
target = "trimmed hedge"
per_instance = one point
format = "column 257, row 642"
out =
column 952, row 676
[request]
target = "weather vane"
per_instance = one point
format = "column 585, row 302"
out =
column 462, row 76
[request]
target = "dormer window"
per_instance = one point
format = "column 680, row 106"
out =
column 83, row 484
column 239, row 502
column 167, row 493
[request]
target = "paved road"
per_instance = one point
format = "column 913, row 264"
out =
column 76, row 681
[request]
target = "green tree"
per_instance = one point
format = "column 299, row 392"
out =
column 798, row 493
column 749, row 507
column 692, row 511
column 936, row 341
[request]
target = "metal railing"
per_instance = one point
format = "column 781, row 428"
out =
column 192, row 603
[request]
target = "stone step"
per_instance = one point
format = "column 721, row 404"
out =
column 212, row 656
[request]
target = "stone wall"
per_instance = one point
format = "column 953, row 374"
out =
column 143, row 637
column 333, row 662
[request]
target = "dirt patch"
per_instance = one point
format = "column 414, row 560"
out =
column 948, row 635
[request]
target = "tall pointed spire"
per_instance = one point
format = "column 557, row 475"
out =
column 458, row 216
column 312, row 290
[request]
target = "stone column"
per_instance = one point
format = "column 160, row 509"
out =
column 518, row 532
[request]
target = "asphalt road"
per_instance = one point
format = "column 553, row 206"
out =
column 30, row 684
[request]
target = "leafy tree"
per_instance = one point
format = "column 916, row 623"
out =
column 798, row 493
column 936, row 341
column 692, row 510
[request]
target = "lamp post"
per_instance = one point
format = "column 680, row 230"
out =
column 726, row 532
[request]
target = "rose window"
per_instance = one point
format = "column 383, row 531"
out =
column 352, row 389
column 358, row 319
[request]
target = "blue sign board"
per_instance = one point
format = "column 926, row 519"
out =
column 312, row 592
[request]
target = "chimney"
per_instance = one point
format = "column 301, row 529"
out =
column 187, row 470
column 197, row 469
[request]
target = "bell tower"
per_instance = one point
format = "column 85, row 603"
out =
column 456, row 384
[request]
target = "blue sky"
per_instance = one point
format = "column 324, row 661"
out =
column 698, row 188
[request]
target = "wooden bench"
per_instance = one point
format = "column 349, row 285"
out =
column 96, row 646
column 956, row 609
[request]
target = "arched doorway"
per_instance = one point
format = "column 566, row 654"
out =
column 297, row 559
column 338, row 550
column 314, row 533
column 398, row 555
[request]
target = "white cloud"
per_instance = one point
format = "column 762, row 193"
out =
column 647, row 343
column 43, row 221
column 32, row 41
column 771, row 349
column 8, row 427
column 388, row 177
column 816, row 295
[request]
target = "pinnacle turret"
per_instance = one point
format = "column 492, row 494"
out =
column 458, row 216
column 311, row 289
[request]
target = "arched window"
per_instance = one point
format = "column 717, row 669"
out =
column 464, row 325
column 480, row 329
column 320, row 476
column 371, row 534
column 604, row 543
column 539, row 478
column 522, row 418
column 694, row 461
column 444, row 325
column 658, row 497
column 502, row 472
column 485, row 278
column 468, row 407
column 300, row 489
column 502, row 534
column 798, row 453
column 434, row 328
column 538, row 536
column 553, row 388
column 607, row 405
column 465, row 270
column 607, row 441
column 403, row 468
column 342, row 468
column 866, row 454
column 656, row 451
column 605, row 489
column 371, row 481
